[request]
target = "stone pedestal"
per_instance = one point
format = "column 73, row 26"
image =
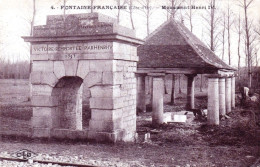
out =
column 228, row 95
column 141, row 95
column 157, row 103
column 101, row 53
column 222, row 97
column 213, row 101
column 233, row 92
column 190, row 92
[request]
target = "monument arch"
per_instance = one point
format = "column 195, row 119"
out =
column 84, row 47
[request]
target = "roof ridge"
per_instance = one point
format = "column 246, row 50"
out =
column 157, row 30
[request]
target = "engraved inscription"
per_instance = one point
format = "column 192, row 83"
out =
column 72, row 48
column 70, row 56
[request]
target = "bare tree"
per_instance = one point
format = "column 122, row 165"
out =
column 147, row 11
column 212, row 21
column 119, row 3
column 223, row 35
column 257, row 30
column 131, row 14
column 173, row 8
column 212, row 25
column 130, row 4
column 190, row 13
column 239, row 32
column 228, row 27
column 33, row 17
column 64, row 9
column 91, row 4
column 256, row 49
column 31, row 34
column 245, row 4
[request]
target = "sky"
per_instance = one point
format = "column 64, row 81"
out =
column 15, row 19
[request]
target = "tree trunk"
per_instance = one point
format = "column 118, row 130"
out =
column 190, row 18
column 172, row 9
column 248, row 47
column 148, row 18
column 91, row 4
column 131, row 14
column 238, row 46
column 223, row 39
column 118, row 11
column 212, row 26
column 31, row 34
column 229, row 54
column 64, row 11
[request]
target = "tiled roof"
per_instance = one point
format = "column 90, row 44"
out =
column 172, row 45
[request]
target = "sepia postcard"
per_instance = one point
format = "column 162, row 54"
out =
column 130, row 83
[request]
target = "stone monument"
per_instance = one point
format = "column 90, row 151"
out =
column 90, row 47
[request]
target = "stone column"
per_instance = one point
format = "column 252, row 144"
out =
column 190, row 92
column 141, row 96
column 233, row 92
column 213, row 101
column 173, row 90
column 157, row 103
column 222, row 97
column 147, row 85
column 228, row 95
column 150, row 83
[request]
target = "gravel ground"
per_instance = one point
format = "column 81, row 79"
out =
column 6, row 163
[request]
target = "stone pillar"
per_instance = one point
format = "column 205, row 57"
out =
column 213, row 101
column 228, row 95
column 233, row 92
column 141, row 96
column 190, row 92
column 150, row 87
column 147, row 85
column 222, row 97
column 173, row 90
column 45, row 115
column 157, row 103
column 78, row 114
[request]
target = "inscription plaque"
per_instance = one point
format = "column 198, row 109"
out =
column 72, row 48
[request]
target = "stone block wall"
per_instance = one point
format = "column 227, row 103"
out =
column 128, row 94
column 116, row 114
column 109, row 90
